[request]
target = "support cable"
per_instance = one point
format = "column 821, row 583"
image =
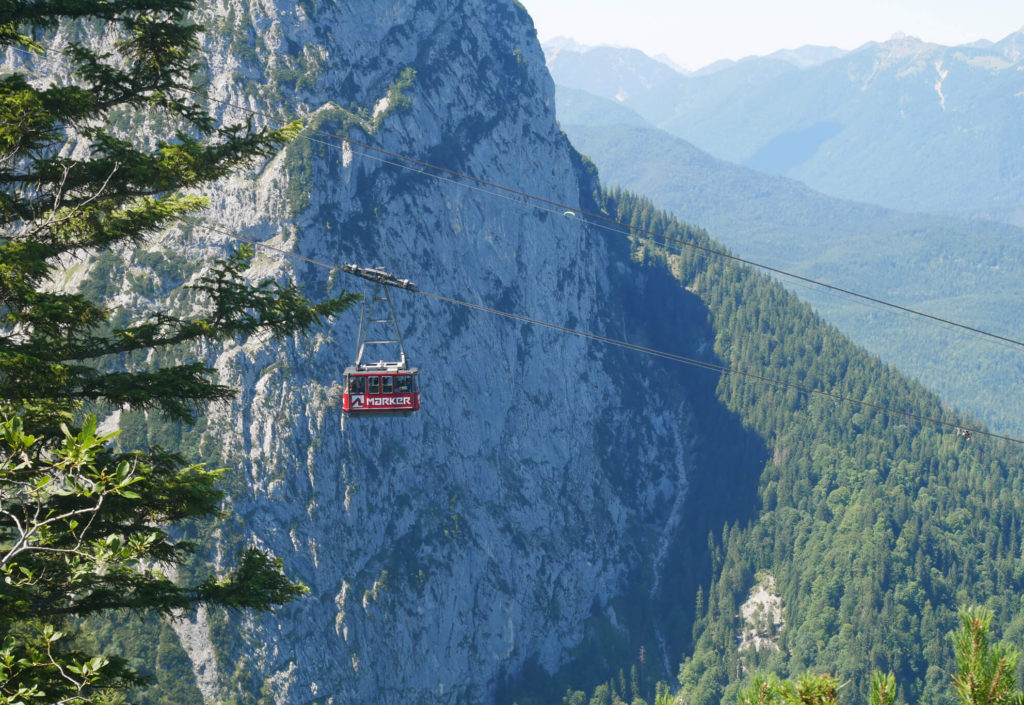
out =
column 612, row 225
column 693, row 362
column 601, row 220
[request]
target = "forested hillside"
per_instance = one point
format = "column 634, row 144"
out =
column 874, row 527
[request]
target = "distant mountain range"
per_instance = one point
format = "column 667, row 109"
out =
column 569, row 50
column 902, row 123
column 964, row 269
column 612, row 72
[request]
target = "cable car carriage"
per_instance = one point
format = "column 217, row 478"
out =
column 381, row 388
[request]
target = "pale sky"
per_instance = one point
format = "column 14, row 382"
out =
column 695, row 34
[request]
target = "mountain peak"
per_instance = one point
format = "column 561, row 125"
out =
column 906, row 40
column 903, row 46
column 1012, row 46
column 552, row 47
column 808, row 55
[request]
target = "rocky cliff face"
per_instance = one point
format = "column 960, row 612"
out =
column 544, row 473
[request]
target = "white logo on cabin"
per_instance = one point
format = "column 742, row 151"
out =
column 389, row 401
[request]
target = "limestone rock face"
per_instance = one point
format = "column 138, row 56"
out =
column 545, row 471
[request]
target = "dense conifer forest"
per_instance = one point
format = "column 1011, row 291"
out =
column 876, row 527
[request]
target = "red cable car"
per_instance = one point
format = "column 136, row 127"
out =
column 380, row 388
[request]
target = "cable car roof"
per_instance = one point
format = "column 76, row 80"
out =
column 381, row 366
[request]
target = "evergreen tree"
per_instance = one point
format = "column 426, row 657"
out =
column 986, row 673
column 764, row 689
column 86, row 528
column 883, row 689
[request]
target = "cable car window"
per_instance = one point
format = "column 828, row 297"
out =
column 357, row 385
column 374, row 385
column 402, row 385
column 386, row 385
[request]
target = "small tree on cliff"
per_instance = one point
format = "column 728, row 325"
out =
column 83, row 527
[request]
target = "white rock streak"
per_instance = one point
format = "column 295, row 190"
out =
column 762, row 617
column 939, row 81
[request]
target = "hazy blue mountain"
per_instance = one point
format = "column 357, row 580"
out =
column 809, row 55
column 613, row 72
column 902, row 123
column 669, row 61
column 803, row 57
column 969, row 270
column 587, row 109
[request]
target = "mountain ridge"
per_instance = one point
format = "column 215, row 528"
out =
column 903, row 123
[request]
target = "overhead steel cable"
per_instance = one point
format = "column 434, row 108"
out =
column 608, row 223
column 674, row 357
column 618, row 229
column 813, row 287
column 596, row 219
column 423, row 167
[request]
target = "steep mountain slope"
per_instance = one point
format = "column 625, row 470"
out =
column 869, row 528
column 555, row 497
column 545, row 476
column 903, row 123
column 445, row 550
column 965, row 270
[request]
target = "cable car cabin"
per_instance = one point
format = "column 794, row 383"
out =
column 381, row 389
